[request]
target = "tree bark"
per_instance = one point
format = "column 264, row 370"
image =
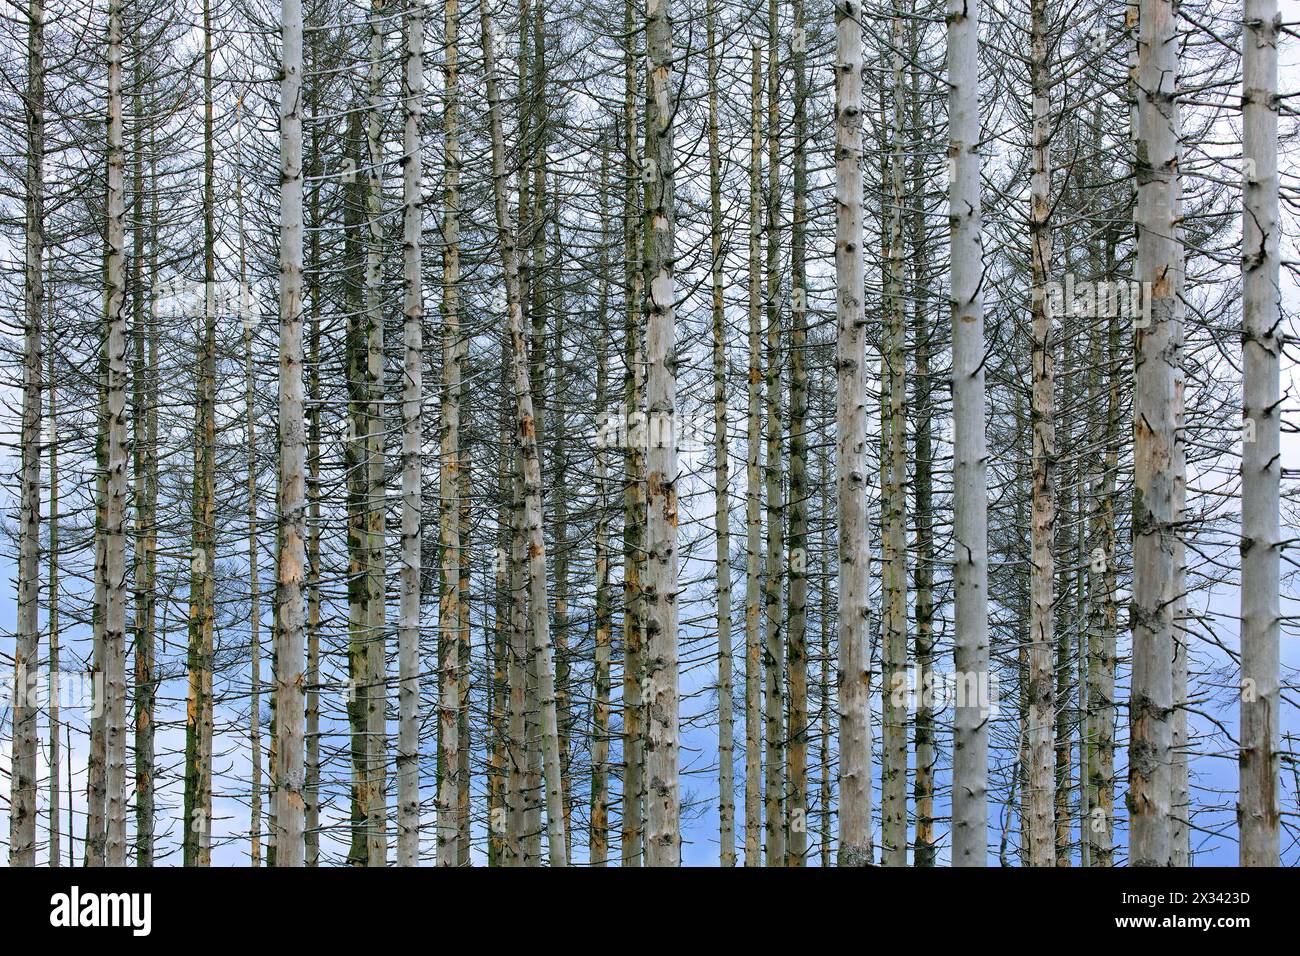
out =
column 1159, row 261
column 970, row 500
column 754, row 493
column 408, row 635
column 1041, row 782
column 853, row 678
column 634, row 507
column 893, row 466
column 289, row 676
column 449, row 468
column 797, row 644
column 721, row 469
column 197, row 840
column 526, row 437
column 25, row 710
column 663, row 813
column 774, row 571
column 1261, row 542
column 116, row 378
column 598, row 849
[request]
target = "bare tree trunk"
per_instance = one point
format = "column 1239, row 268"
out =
column 1261, row 462
column 375, row 490
column 1041, row 784
column 53, row 614
column 924, row 850
column 970, row 501
column 893, row 466
column 1154, row 529
column 311, row 783
column 753, row 493
column 853, row 679
column 197, row 839
column 449, row 470
column 464, row 781
column 146, row 673
column 254, row 568
column 721, row 471
column 517, row 644
column 114, row 563
column 288, row 829
column 560, row 482
column 1180, row 799
column 526, row 437
column 599, row 839
column 1064, row 663
column 356, row 481
column 499, row 800
column 23, row 783
column 634, row 507
column 774, row 572
column 663, row 813
column 96, row 794
column 824, row 787
column 408, row 635
column 797, row 645
column 1101, row 667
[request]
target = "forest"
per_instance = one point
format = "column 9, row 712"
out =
column 649, row 433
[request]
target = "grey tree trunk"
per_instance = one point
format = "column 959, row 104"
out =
column 250, row 484
column 754, row 493
column 289, row 678
column 449, row 468
column 375, row 489
column 797, row 644
column 893, row 467
column 721, row 469
column 23, row 783
column 115, row 485
column 634, row 507
column 774, row 570
column 598, row 850
column 312, row 626
column 1159, row 261
column 197, row 840
column 53, row 614
column 1261, row 463
column 970, row 501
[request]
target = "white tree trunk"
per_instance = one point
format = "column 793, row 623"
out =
column 1159, row 262
column 663, row 839
column 1041, row 779
column 970, row 501
column 22, row 801
column 1260, row 460
column 408, row 633
column 854, row 675
column 289, row 677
